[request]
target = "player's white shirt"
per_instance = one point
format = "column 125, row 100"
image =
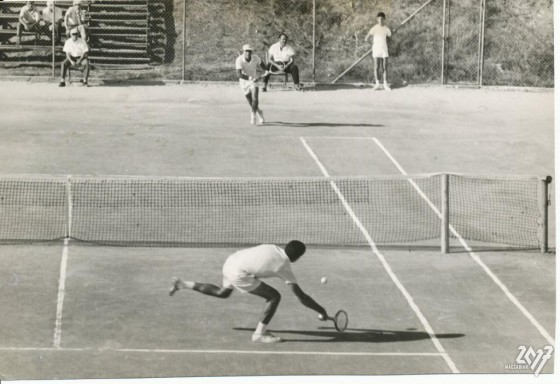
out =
column 267, row 260
column 75, row 49
column 281, row 54
column 248, row 68
column 380, row 34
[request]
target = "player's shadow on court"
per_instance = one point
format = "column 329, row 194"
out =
column 330, row 335
column 305, row 125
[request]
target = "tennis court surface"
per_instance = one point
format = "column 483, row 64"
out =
column 96, row 305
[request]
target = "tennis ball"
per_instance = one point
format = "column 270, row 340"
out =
column 323, row 280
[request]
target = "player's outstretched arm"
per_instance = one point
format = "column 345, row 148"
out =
column 307, row 300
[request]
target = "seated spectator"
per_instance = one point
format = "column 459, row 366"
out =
column 28, row 20
column 76, row 50
column 280, row 57
column 53, row 18
column 75, row 17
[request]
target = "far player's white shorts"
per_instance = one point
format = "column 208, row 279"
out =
column 247, row 86
column 380, row 51
column 238, row 278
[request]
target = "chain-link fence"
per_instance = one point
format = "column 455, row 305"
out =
column 484, row 42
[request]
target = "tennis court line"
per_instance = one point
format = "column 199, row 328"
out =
column 388, row 269
column 217, row 351
column 473, row 255
column 61, row 292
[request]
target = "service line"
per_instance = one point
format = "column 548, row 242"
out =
column 388, row 269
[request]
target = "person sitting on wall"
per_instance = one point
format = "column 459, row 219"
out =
column 29, row 20
column 75, row 17
column 53, row 18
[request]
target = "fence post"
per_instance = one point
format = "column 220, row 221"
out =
column 445, row 213
column 544, row 190
column 313, row 51
column 444, row 32
column 184, row 39
column 481, row 40
column 52, row 39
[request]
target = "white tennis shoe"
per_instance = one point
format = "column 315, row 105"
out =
column 266, row 337
column 253, row 118
column 386, row 86
column 260, row 116
column 377, row 86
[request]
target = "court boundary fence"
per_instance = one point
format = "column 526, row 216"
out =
column 199, row 211
column 470, row 47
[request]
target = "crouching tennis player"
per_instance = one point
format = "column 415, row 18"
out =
column 244, row 269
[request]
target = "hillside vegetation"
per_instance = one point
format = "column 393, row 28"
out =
column 518, row 48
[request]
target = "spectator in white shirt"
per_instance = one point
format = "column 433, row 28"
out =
column 75, row 17
column 280, row 57
column 29, row 20
column 53, row 18
column 76, row 50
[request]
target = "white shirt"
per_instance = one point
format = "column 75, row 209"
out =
column 267, row 260
column 47, row 14
column 248, row 68
column 380, row 34
column 278, row 54
column 29, row 15
column 77, row 48
column 75, row 16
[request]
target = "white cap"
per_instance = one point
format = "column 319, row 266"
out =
column 74, row 31
column 247, row 47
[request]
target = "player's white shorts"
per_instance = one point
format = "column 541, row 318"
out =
column 380, row 50
column 246, row 86
column 238, row 278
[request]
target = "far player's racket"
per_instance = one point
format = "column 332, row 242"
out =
column 340, row 320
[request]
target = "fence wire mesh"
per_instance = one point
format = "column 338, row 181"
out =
column 519, row 43
column 487, row 42
column 462, row 56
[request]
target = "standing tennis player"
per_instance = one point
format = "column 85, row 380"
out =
column 243, row 271
column 246, row 66
column 380, row 49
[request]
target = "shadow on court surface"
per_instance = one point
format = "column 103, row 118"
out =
column 131, row 83
column 358, row 335
column 303, row 125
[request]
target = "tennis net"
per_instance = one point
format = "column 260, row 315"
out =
column 319, row 211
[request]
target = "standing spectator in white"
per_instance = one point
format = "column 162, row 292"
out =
column 280, row 57
column 76, row 50
column 29, row 20
column 380, row 49
column 75, row 18
column 53, row 18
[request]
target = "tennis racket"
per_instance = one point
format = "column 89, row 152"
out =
column 340, row 320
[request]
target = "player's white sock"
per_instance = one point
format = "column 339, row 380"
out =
column 261, row 328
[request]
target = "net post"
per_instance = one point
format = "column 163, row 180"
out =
column 68, row 208
column 544, row 190
column 444, row 213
